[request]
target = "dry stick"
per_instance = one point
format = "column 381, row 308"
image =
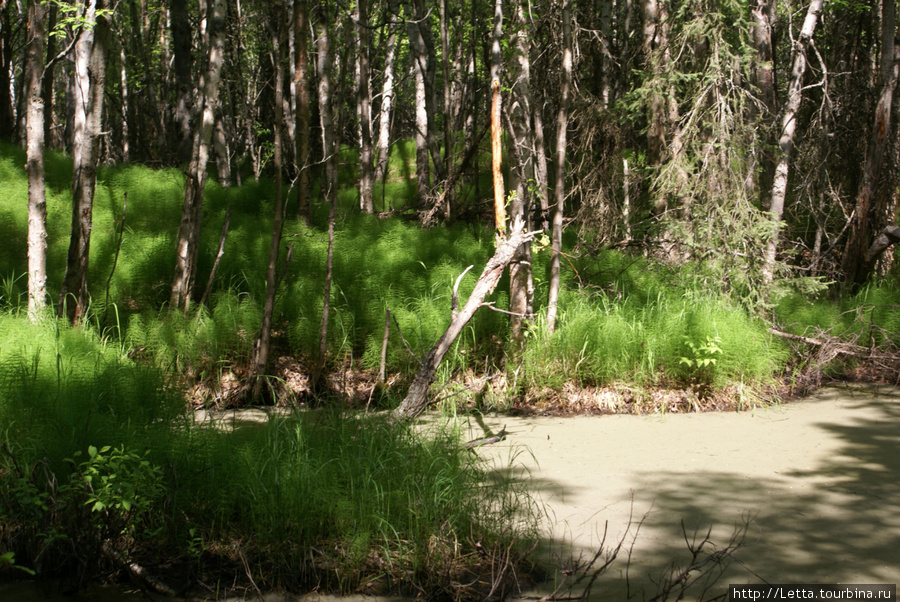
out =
column 219, row 254
column 137, row 570
column 384, row 345
column 405, row 344
column 118, row 248
column 839, row 347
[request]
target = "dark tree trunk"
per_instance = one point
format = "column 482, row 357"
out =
column 871, row 215
column 7, row 114
column 262, row 344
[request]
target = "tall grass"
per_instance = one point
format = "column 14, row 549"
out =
column 315, row 499
column 870, row 316
column 623, row 317
column 601, row 342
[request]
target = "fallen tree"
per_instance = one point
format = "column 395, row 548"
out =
column 416, row 400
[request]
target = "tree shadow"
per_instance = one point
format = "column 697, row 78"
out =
column 831, row 521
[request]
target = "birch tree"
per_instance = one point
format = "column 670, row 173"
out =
column 37, row 202
column 559, row 187
column 187, row 245
column 91, row 49
column 788, row 129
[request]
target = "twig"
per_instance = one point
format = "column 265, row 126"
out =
column 405, row 344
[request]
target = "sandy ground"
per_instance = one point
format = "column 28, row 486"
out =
column 817, row 480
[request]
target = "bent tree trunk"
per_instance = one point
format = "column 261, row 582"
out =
column 416, row 400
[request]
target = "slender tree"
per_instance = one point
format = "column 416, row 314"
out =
column 188, row 242
column 301, row 99
column 364, row 103
column 91, row 49
column 788, row 128
column 871, row 216
column 559, row 188
column 37, row 203
column 265, row 331
column 387, row 95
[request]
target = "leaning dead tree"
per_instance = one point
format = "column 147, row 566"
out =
column 417, row 400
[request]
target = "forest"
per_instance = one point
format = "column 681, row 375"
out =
column 363, row 210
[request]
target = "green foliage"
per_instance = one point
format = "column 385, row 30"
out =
column 631, row 332
column 95, row 452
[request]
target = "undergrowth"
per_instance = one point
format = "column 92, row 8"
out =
column 99, row 466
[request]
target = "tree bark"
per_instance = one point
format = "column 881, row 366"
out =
column 387, row 100
column 326, row 112
column 788, row 127
column 90, row 78
column 34, row 123
column 655, row 40
column 188, row 243
column 559, row 188
column 520, row 277
column 762, row 33
column 7, row 113
column 857, row 264
column 265, row 331
column 416, row 400
column 496, row 124
column 301, row 92
column 366, row 152
column 419, row 57
column 47, row 81
column 183, row 64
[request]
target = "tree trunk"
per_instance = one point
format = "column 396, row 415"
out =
column 383, row 149
column 420, row 67
column 184, row 88
column 47, row 82
column 496, row 124
column 301, row 92
column 90, row 78
column 857, row 264
column 763, row 23
column 7, row 114
column 520, row 280
column 788, row 127
column 559, row 188
column 265, row 331
column 416, row 400
column 37, row 203
column 366, row 152
column 449, row 200
column 188, row 243
column 654, row 36
column 326, row 112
